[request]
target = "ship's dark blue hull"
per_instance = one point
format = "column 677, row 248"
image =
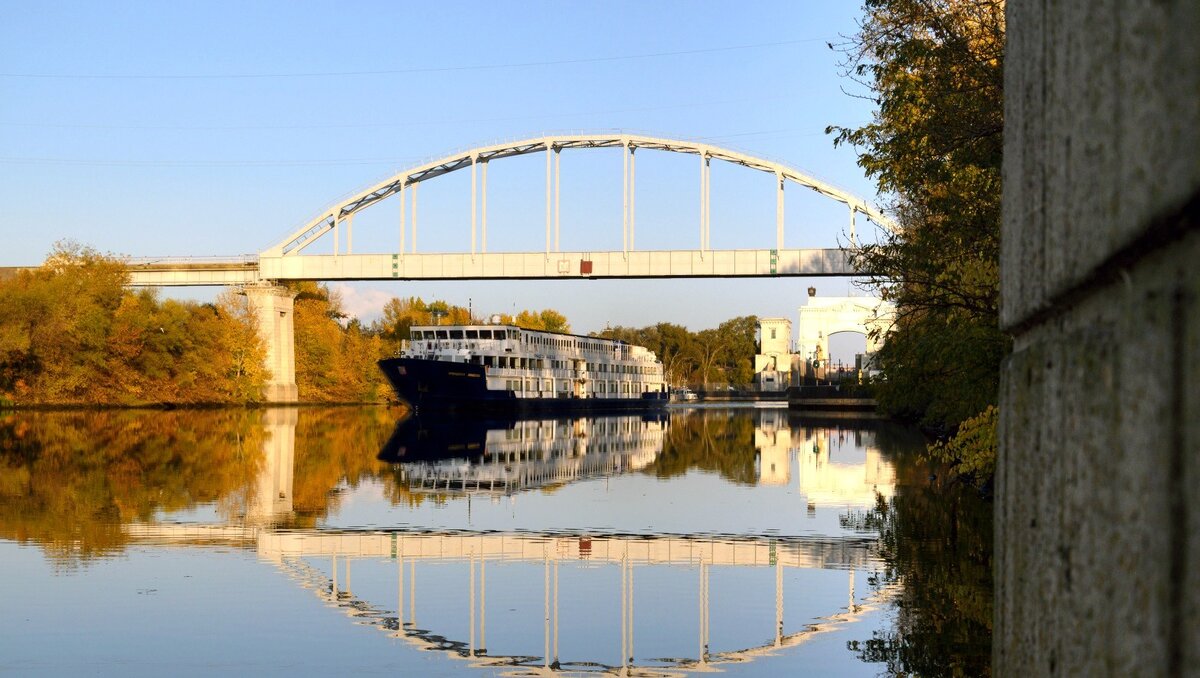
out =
column 439, row 386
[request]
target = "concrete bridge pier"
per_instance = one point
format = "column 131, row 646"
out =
column 274, row 307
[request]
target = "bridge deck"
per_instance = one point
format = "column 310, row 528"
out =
column 502, row 265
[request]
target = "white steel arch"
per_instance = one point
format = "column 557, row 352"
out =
column 406, row 181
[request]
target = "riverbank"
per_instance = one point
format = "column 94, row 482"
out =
column 166, row 407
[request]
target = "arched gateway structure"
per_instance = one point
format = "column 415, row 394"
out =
column 826, row 316
column 285, row 260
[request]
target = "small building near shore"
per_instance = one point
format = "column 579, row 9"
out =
column 775, row 361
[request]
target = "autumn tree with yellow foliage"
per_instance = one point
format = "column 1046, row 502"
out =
column 399, row 315
column 335, row 355
column 72, row 332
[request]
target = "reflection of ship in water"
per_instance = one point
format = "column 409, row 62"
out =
column 835, row 465
column 505, row 456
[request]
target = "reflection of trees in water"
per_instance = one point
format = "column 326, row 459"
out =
column 335, row 446
column 710, row 440
column 936, row 542
column 70, row 480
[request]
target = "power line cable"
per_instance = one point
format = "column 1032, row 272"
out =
column 398, row 71
column 379, row 125
column 103, row 162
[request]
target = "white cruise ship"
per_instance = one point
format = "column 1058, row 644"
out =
column 500, row 368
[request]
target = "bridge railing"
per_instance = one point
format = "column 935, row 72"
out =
column 234, row 259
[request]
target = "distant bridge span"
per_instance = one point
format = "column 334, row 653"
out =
column 284, row 261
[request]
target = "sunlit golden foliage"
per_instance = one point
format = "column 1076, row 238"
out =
column 71, row 332
column 973, row 449
column 335, row 357
column 547, row 320
column 399, row 315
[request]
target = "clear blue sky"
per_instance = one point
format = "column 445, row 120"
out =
column 215, row 128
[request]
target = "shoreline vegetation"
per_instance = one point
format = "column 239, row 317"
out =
column 935, row 146
column 73, row 335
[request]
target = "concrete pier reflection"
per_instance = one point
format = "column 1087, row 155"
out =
column 271, row 501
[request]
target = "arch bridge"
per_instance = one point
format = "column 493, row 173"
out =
column 286, row 260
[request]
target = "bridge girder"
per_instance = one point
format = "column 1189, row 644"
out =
column 505, row 265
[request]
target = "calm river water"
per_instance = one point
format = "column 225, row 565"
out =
column 335, row 541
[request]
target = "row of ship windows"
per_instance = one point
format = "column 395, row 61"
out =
column 598, row 427
column 418, row 335
column 513, row 362
column 566, row 433
column 537, row 452
column 547, row 385
column 536, row 340
column 565, row 342
column 433, row 345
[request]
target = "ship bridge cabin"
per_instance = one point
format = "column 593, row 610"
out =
column 537, row 364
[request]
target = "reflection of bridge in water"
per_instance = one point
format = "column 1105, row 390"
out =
column 505, row 564
column 298, row 552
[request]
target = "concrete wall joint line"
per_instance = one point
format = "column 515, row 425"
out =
column 1162, row 233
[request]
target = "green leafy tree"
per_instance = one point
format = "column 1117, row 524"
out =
column 709, row 348
column 935, row 68
column 739, row 334
column 724, row 354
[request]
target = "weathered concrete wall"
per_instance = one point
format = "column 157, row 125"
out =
column 1098, row 513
